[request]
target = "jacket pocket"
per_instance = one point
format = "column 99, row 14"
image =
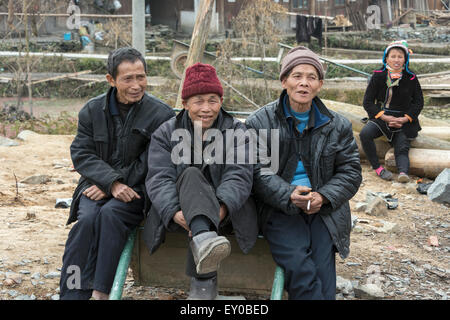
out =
column 101, row 145
column 327, row 163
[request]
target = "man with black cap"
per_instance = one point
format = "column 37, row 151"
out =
column 194, row 186
column 303, row 205
column 110, row 154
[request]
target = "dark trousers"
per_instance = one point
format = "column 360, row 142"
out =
column 301, row 245
column 399, row 141
column 197, row 197
column 94, row 245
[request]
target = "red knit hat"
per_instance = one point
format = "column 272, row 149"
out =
column 201, row 78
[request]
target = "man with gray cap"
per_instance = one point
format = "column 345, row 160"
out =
column 303, row 206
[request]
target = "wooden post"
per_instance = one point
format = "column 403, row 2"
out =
column 312, row 9
column 221, row 9
column 198, row 40
column 28, row 58
column 326, row 29
column 138, row 25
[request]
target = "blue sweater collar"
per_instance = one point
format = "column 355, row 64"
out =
column 316, row 117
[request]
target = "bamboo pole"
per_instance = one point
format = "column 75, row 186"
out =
column 198, row 40
column 69, row 75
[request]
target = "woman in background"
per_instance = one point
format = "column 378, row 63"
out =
column 393, row 101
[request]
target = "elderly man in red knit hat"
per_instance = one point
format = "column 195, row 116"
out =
column 192, row 188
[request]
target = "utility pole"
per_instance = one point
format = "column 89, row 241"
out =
column 138, row 27
column 198, row 40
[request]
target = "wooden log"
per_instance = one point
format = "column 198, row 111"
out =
column 423, row 162
column 442, row 133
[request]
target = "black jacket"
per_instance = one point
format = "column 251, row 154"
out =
column 330, row 156
column 232, row 183
column 95, row 141
column 407, row 98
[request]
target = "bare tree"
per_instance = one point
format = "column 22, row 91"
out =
column 256, row 23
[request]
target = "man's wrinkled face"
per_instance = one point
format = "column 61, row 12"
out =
column 130, row 82
column 302, row 85
column 204, row 108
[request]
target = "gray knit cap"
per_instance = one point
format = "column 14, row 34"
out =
column 301, row 55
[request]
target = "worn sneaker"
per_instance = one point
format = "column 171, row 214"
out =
column 203, row 289
column 385, row 174
column 403, row 177
column 208, row 250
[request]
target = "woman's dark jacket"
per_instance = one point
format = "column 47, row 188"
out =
column 407, row 99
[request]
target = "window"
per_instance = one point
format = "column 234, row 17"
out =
column 339, row 2
column 299, row 4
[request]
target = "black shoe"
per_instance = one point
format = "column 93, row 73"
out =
column 203, row 289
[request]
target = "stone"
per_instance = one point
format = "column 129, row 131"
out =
column 6, row 142
column 13, row 293
column 52, row 275
column 24, row 271
column 360, row 207
column 433, row 241
column 343, row 285
column 352, row 264
column 25, row 297
column 439, row 191
column 36, row 276
column 63, row 203
column 354, row 221
column 368, row 291
column 37, row 179
column 55, row 297
column 377, row 207
column 383, row 226
column 26, row 134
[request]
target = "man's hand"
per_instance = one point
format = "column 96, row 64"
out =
column 223, row 212
column 316, row 203
column 123, row 192
column 179, row 219
column 300, row 197
column 94, row 193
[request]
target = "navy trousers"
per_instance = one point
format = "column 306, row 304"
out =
column 94, row 245
column 301, row 245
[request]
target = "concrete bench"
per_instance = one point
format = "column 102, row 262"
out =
column 255, row 272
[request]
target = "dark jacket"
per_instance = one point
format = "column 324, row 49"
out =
column 231, row 182
column 97, row 139
column 407, row 99
column 330, row 156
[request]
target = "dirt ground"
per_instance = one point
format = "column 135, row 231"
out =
column 401, row 262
